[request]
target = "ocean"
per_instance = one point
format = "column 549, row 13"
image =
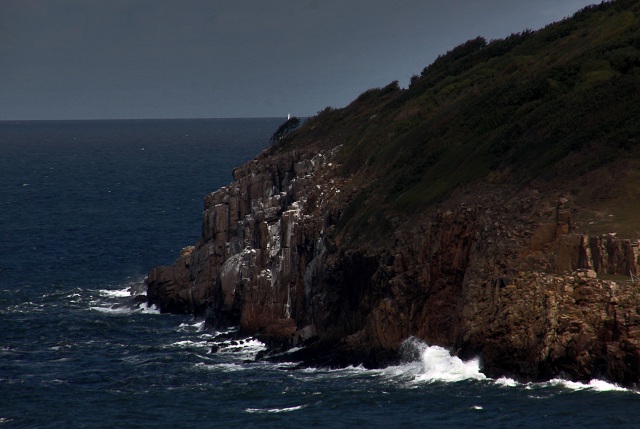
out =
column 88, row 207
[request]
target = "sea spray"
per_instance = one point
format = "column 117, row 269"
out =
column 434, row 363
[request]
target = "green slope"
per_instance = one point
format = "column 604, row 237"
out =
column 550, row 106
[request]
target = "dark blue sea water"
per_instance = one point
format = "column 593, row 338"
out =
column 86, row 208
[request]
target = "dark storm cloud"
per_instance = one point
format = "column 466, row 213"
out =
column 190, row 58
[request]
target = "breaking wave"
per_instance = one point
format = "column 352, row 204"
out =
column 120, row 309
column 193, row 326
column 593, row 385
column 439, row 365
column 120, row 300
column 118, row 293
column 433, row 364
column 246, row 349
column 506, row 382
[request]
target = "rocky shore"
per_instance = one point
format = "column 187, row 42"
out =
column 493, row 272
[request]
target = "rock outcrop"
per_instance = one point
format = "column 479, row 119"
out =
column 491, row 272
column 261, row 251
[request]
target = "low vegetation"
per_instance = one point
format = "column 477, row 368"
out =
column 285, row 129
column 559, row 105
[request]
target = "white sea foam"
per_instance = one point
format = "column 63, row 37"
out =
column 143, row 308
column 439, row 365
column 506, row 382
column 188, row 344
column 434, row 364
column 593, row 385
column 197, row 326
column 120, row 293
column 349, row 370
column 244, row 349
column 25, row 307
column 75, row 298
column 224, row 367
column 273, row 410
column 113, row 310
column 118, row 301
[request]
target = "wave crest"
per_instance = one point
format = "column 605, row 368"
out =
column 431, row 364
column 594, row 385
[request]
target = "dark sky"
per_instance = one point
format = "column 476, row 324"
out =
column 107, row 59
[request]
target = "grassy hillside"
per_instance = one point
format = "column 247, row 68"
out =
column 559, row 106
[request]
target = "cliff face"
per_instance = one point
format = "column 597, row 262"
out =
column 476, row 209
column 481, row 274
column 262, row 249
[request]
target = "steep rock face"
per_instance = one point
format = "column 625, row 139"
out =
column 260, row 251
column 570, row 325
column 491, row 272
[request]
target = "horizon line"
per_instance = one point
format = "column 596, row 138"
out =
column 148, row 119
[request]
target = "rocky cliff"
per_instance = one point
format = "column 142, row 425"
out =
column 493, row 272
column 415, row 213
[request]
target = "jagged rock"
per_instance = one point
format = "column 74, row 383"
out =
column 492, row 273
